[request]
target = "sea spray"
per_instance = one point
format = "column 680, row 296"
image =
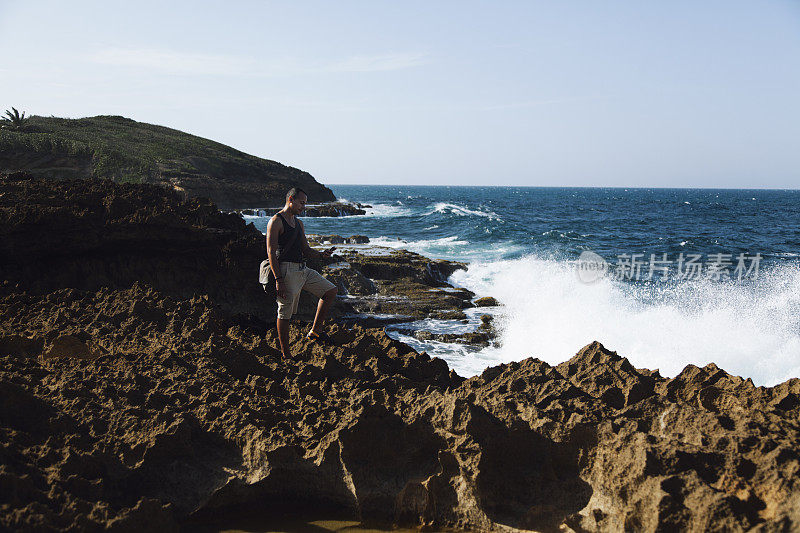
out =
column 752, row 328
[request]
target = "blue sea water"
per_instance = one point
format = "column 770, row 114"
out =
column 740, row 309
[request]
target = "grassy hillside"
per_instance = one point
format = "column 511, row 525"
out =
column 124, row 150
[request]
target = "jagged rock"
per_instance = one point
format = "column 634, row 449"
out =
column 478, row 338
column 408, row 284
column 404, row 264
column 608, row 377
column 188, row 414
column 337, row 239
column 333, row 239
column 483, row 335
column 19, row 346
column 350, row 281
column 486, row 301
column 86, row 234
column 69, row 346
column 334, row 209
column 448, row 314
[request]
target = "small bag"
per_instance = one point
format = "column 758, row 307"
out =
column 265, row 275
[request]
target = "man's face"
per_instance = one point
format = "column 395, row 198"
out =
column 297, row 203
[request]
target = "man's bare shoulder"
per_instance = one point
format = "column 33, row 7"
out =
column 275, row 224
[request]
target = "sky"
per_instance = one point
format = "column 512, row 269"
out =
column 557, row 93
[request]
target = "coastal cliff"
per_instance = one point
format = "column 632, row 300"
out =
column 141, row 391
column 124, row 150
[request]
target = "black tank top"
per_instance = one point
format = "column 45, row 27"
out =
column 293, row 254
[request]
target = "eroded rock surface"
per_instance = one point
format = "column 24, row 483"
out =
column 335, row 209
column 184, row 416
column 398, row 282
column 131, row 406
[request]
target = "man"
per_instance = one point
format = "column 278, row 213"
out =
column 286, row 247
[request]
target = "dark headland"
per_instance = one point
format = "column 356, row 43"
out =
column 141, row 390
column 124, row 150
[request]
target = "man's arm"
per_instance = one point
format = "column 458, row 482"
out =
column 274, row 230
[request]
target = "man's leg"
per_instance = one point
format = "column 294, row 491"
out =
column 322, row 310
column 283, row 336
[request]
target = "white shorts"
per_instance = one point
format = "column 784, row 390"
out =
column 296, row 278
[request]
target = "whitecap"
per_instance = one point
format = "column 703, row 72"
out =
column 460, row 210
column 424, row 246
column 387, row 210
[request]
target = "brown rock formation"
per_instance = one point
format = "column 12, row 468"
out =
column 156, row 410
column 486, row 301
column 185, row 416
column 335, row 209
column 337, row 239
column 87, row 234
column 398, row 282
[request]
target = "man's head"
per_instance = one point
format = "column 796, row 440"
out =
column 296, row 200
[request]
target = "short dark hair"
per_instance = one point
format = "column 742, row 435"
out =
column 294, row 191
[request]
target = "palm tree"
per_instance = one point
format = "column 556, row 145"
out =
column 14, row 121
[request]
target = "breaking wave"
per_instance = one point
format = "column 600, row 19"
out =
column 751, row 329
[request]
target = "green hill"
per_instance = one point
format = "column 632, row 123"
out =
column 124, row 150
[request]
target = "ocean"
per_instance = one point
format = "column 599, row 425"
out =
column 665, row 277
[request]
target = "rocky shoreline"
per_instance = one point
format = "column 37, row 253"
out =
column 330, row 209
column 141, row 390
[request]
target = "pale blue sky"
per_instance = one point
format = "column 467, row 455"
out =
column 664, row 94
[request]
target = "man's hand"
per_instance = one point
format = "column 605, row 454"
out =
column 328, row 252
column 280, row 288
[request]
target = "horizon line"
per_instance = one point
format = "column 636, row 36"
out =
column 566, row 187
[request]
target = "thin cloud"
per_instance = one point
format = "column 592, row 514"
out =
column 175, row 62
column 378, row 63
column 227, row 65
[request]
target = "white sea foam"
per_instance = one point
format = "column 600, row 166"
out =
column 466, row 360
column 460, row 210
column 443, row 245
column 452, row 247
column 387, row 210
column 752, row 331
